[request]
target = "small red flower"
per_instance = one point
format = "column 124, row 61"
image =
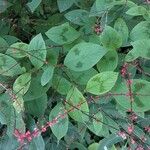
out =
column 147, row 129
column 130, row 129
column 20, row 137
column 35, row 132
column 133, row 117
column 123, row 135
column 132, row 141
column 140, row 147
column 43, row 129
column 28, row 136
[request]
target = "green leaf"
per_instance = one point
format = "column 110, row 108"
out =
column 9, row 66
column 140, row 88
column 47, row 74
column 102, row 82
column 63, row 34
column 61, row 85
column 109, row 141
column 17, row 50
column 2, row 118
column 104, row 5
column 61, row 127
column 110, row 38
column 108, row 62
column 6, row 141
column 64, row 4
column 121, row 27
column 140, row 31
column 3, row 44
column 36, row 90
column 78, row 16
column 8, row 113
column 22, row 84
column 96, row 126
column 141, row 48
column 37, row 51
column 136, row 11
column 19, row 104
column 10, row 39
column 93, row 146
column 78, row 57
column 33, row 4
column 82, row 77
column 37, row 143
column 37, row 106
column 76, row 99
column 76, row 145
column 4, row 4
column 19, row 123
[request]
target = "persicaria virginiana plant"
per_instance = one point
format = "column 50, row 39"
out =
column 75, row 75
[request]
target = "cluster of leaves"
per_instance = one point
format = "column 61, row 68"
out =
column 60, row 63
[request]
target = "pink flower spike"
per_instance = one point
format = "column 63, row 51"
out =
column 20, row 137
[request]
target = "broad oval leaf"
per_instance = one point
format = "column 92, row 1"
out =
column 78, row 57
column 76, row 99
column 22, row 84
column 47, row 74
column 33, row 4
column 141, row 48
column 9, row 66
column 37, row 106
column 78, row 16
column 136, row 11
column 8, row 112
column 82, row 77
column 18, row 50
column 63, row 34
column 4, row 4
column 104, row 5
column 110, row 38
column 140, row 31
column 3, row 44
column 108, row 62
column 37, row 51
column 61, row 85
column 140, row 89
column 96, row 125
column 109, row 141
column 93, row 146
column 64, row 4
column 61, row 127
column 102, row 82
column 37, row 143
column 122, row 28
column 19, row 104
column 36, row 90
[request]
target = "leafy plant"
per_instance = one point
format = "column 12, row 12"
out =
column 74, row 74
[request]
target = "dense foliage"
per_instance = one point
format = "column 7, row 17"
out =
column 74, row 74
